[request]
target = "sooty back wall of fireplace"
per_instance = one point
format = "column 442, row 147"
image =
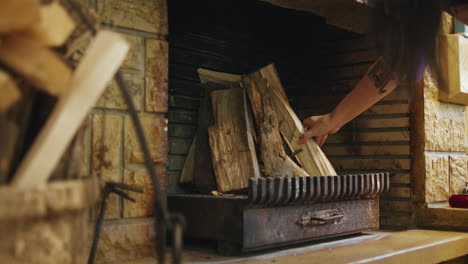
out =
column 237, row 36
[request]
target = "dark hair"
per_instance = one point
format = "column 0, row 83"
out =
column 406, row 34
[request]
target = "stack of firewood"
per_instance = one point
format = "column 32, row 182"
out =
column 44, row 98
column 247, row 129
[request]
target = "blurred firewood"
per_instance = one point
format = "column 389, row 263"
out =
column 41, row 67
column 9, row 91
column 18, row 15
column 8, row 136
column 55, row 25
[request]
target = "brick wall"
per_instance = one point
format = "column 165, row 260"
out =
column 113, row 153
column 376, row 141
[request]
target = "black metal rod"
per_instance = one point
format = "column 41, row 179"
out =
column 98, row 227
column 162, row 213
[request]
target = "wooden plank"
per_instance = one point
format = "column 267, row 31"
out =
column 398, row 192
column 312, row 158
column 396, row 206
column 251, row 135
column 204, row 179
column 9, row 90
column 381, row 122
column 397, row 221
column 348, row 137
column 96, row 69
column 188, row 172
column 54, row 27
column 36, row 63
column 412, row 246
column 16, row 15
column 443, row 216
column 272, row 153
column 355, row 150
column 377, row 164
column 387, row 109
column 230, row 149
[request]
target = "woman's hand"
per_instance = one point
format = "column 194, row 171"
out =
column 318, row 127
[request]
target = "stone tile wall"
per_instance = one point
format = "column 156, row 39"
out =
column 113, row 152
column 443, row 163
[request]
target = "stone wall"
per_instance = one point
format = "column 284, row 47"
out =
column 113, row 153
column 441, row 167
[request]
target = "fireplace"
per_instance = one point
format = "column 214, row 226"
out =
column 318, row 64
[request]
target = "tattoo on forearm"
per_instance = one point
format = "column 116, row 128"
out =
column 380, row 75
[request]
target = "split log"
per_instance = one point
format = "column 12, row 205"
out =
column 204, row 178
column 9, row 90
column 54, row 27
column 312, row 159
column 230, row 149
column 272, row 154
column 16, row 15
column 8, row 136
column 94, row 72
column 41, row 67
column 188, row 171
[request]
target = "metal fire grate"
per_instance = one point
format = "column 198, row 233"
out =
column 285, row 210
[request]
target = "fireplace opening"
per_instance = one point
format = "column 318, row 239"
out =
column 317, row 64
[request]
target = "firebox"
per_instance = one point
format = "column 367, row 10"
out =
column 317, row 64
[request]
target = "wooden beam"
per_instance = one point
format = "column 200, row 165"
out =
column 9, row 90
column 54, row 27
column 96, row 69
column 16, row 15
column 40, row 66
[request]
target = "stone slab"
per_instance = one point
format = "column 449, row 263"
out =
column 437, row 177
column 458, row 173
column 112, row 97
column 156, row 75
column 155, row 129
column 139, row 177
column 106, row 156
column 143, row 15
column 126, row 240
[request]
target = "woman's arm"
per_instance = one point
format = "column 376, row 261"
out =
column 375, row 85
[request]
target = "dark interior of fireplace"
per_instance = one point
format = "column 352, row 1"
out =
column 317, row 64
column 240, row 37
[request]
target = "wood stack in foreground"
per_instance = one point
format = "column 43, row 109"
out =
column 248, row 128
column 44, row 98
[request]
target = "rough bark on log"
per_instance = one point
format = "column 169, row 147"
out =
column 230, row 148
column 272, row 154
column 311, row 158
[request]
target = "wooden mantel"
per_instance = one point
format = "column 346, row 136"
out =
column 346, row 14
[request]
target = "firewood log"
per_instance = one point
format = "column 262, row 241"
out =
column 41, row 67
column 54, row 27
column 96, row 69
column 16, row 15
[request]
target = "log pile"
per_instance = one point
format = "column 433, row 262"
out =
column 44, row 97
column 247, row 129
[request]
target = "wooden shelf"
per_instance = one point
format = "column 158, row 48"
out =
column 413, row 246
